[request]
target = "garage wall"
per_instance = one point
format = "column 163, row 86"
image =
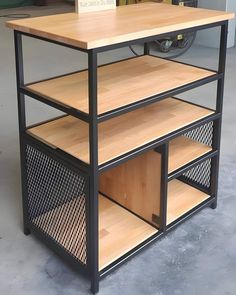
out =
column 231, row 6
column 210, row 38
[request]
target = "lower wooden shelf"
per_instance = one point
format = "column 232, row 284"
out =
column 181, row 199
column 119, row 230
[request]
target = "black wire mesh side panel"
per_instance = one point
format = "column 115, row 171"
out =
column 57, row 202
column 200, row 174
column 202, row 134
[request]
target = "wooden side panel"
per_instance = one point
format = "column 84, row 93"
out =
column 136, row 185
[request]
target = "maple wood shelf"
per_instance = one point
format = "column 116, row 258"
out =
column 183, row 150
column 181, row 198
column 119, row 83
column 121, row 134
column 129, row 160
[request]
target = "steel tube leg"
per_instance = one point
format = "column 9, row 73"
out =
column 22, row 126
column 93, row 182
column 164, row 149
column 219, row 108
column 146, row 48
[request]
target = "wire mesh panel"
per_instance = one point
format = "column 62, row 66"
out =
column 200, row 174
column 202, row 134
column 57, row 202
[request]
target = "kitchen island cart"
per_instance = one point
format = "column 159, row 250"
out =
column 129, row 160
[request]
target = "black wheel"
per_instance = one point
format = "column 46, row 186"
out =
column 164, row 45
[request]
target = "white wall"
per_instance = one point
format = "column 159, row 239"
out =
column 231, row 6
column 211, row 37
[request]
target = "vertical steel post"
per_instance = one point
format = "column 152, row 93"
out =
column 164, row 185
column 93, row 174
column 175, row 2
column 22, row 126
column 146, row 49
column 219, row 108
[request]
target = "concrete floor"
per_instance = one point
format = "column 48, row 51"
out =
column 197, row 258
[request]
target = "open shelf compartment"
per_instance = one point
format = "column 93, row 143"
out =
column 119, row 83
column 190, row 146
column 122, row 134
column 119, row 230
column 181, row 199
column 58, row 207
column 189, row 190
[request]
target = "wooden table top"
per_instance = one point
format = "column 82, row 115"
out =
column 125, row 23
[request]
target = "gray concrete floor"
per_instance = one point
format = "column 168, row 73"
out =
column 197, row 258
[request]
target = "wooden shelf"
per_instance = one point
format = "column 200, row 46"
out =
column 120, row 84
column 181, row 199
column 183, row 150
column 125, row 23
column 119, row 230
column 120, row 134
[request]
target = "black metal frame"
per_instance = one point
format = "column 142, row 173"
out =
column 93, row 169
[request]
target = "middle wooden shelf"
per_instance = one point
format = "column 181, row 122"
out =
column 121, row 134
column 120, row 83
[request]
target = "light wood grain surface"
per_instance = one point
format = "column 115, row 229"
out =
column 135, row 185
column 120, row 84
column 120, row 134
column 183, row 150
column 125, row 23
column 119, row 230
column 181, row 199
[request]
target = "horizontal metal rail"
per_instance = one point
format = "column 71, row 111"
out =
column 66, row 109
column 183, row 63
column 192, row 164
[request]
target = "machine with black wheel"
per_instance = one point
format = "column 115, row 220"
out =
column 172, row 46
column 177, row 45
